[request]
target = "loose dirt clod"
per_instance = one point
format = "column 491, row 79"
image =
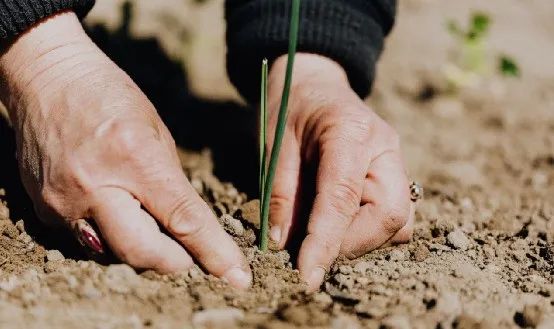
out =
column 458, row 240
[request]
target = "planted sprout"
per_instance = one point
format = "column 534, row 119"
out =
column 263, row 133
column 280, row 130
column 472, row 62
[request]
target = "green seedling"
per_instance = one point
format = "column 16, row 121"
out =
column 472, row 64
column 268, row 176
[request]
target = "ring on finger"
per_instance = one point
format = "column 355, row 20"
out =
column 87, row 236
column 416, row 192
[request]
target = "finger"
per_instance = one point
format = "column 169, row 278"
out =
column 339, row 184
column 285, row 191
column 133, row 235
column 386, row 210
column 173, row 201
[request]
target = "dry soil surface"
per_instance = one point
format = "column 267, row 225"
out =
column 481, row 256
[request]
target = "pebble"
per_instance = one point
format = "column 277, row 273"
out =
column 4, row 211
column 54, row 255
column 362, row 280
column 449, row 304
column 458, row 240
column 397, row 255
column 420, row 253
column 396, row 322
column 344, row 281
column 344, row 269
column 232, row 225
column 442, row 227
column 120, row 278
column 217, row 318
column 362, row 267
column 250, row 212
column 323, row 299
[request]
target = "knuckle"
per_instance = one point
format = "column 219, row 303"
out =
column 181, row 221
column 345, row 198
column 279, row 202
column 136, row 254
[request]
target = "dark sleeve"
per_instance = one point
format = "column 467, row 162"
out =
column 350, row 32
column 17, row 16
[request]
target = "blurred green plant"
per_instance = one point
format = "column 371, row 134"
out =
column 472, row 63
column 267, row 176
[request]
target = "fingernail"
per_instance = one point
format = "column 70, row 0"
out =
column 238, row 277
column 275, row 234
column 315, row 279
column 92, row 241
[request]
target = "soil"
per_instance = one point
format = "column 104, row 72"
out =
column 482, row 253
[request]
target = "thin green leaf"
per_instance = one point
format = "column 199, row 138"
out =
column 281, row 122
column 263, row 132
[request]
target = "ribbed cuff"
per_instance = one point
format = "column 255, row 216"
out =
column 17, row 16
column 349, row 32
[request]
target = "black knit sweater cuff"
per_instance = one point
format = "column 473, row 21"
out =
column 16, row 16
column 351, row 32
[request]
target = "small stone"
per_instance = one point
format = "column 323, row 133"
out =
column 539, row 180
column 4, row 211
column 250, row 212
column 449, row 304
column 362, row 280
column 362, row 267
column 344, row 269
column 458, row 240
column 396, row 322
column 20, row 226
column 397, row 255
column 232, row 225
column 120, row 278
column 442, row 227
column 420, row 253
column 344, row 281
column 54, row 255
column 323, row 299
column 2, row 192
column 217, row 318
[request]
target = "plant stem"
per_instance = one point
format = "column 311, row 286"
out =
column 263, row 132
column 281, row 121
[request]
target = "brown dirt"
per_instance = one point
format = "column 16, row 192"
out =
column 482, row 254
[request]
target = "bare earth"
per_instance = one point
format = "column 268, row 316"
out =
column 482, row 254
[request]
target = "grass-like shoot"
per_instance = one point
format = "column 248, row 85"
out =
column 472, row 61
column 268, row 176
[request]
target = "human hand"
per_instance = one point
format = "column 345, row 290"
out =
column 91, row 145
column 361, row 195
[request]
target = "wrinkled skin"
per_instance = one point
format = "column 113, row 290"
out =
column 91, row 145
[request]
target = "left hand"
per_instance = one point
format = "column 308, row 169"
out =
column 361, row 197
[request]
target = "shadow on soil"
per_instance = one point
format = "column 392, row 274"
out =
column 225, row 128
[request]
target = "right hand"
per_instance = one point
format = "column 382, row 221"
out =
column 91, row 145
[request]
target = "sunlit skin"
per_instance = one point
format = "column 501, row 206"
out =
column 91, row 145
